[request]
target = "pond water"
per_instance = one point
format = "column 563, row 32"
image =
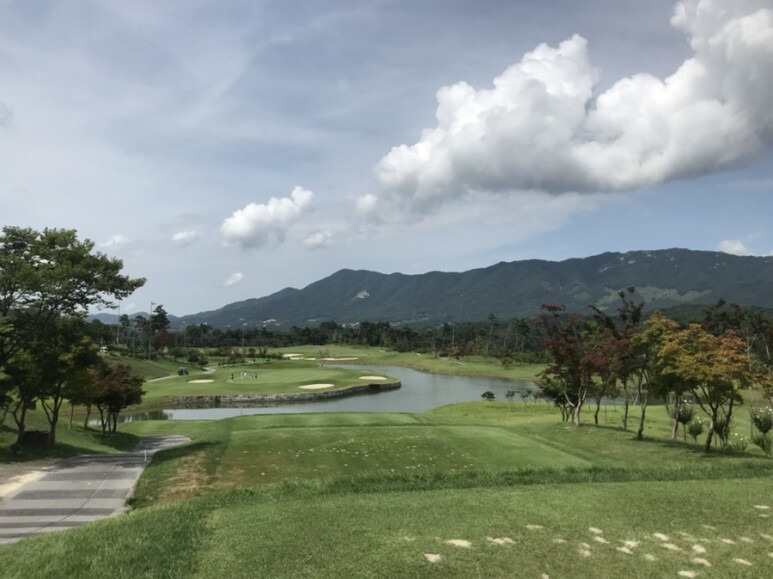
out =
column 420, row 392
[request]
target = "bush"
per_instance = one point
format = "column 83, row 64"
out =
column 695, row 429
column 764, row 441
column 721, row 428
column 488, row 395
column 762, row 419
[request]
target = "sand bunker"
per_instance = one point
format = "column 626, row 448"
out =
column 316, row 386
column 293, row 356
column 372, row 378
column 199, row 381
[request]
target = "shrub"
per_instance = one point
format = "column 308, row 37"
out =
column 765, row 442
column 721, row 428
column 695, row 429
column 488, row 395
column 762, row 419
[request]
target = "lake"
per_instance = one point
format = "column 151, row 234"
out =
column 420, row 392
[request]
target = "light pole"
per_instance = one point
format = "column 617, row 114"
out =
column 150, row 328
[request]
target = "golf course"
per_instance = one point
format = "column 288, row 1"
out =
column 479, row 489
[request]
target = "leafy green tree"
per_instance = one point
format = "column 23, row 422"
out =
column 716, row 368
column 46, row 277
column 116, row 388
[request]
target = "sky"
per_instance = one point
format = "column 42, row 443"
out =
column 227, row 150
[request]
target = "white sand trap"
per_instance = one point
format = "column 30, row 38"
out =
column 743, row 562
column 199, row 381
column 661, row 536
column 545, row 576
column 701, row 561
column 432, row 557
column 650, row 557
column 762, row 507
column 601, row 540
column 293, row 356
column 459, row 543
column 338, row 359
column 746, row 539
column 625, row 550
column 534, row 527
column 699, row 549
column 595, row 531
column 770, row 554
column 584, row 552
column 687, row 574
column 768, row 537
column 670, row 547
column 559, row 540
column 372, row 378
column 316, row 386
column 728, row 541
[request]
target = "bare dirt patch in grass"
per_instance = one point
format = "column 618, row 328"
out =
column 191, row 477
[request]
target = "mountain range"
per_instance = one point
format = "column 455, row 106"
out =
column 663, row 278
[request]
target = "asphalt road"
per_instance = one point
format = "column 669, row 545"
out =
column 77, row 491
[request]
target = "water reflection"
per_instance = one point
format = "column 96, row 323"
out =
column 420, row 392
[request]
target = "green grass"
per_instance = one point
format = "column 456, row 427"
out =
column 371, row 495
column 552, row 529
column 69, row 442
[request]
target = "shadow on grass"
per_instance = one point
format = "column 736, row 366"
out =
column 118, row 441
column 716, row 452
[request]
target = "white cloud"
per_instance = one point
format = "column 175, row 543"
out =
column 115, row 241
column 185, row 238
column 260, row 225
column 233, row 279
column 318, row 240
column 734, row 247
column 543, row 127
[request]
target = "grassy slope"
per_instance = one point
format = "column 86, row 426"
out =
column 554, row 530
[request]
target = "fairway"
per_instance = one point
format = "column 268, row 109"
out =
column 275, row 454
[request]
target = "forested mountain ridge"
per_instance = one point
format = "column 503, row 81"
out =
column 664, row 278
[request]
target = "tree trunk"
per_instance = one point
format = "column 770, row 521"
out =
column 596, row 414
column 625, row 413
column 640, row 431
column 576, row 414
column 88, row 415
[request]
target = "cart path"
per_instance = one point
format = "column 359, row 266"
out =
column 77, row 491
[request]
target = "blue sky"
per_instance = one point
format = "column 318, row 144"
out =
column 228, row 150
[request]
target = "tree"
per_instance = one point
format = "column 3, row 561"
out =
column 116, row 388
column 46, row 277
column 62, row 355
column 570, row 375
column 716, row 369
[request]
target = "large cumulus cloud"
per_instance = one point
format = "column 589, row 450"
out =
column 543, row 126
column 266, row 224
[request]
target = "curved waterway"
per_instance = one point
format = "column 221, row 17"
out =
column 420, row 392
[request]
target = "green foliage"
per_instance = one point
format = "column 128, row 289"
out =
column 764, row 442
column 695, row 428
column 762, row 418
column 488, row 395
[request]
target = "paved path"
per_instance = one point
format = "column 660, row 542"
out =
column 77, row 491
